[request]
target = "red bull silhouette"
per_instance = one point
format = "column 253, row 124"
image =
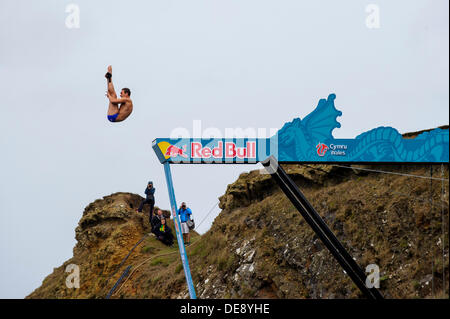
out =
column 174, row 151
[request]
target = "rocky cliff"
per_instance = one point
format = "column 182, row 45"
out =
column 259, row 246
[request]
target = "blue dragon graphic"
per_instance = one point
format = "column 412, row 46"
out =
column 299, row 140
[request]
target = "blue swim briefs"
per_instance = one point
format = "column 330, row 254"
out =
column 112, row 118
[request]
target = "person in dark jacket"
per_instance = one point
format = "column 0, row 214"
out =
column 156, row 222
column 150, row 200
column 165, row 233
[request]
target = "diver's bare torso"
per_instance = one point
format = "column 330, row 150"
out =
column 125, row 110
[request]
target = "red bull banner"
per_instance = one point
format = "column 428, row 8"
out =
column 310, row 140
column 211, row 150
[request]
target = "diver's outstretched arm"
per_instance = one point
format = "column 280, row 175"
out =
column 115, row 100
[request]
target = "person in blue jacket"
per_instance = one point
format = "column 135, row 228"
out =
column 150, row 200
column 185, row 214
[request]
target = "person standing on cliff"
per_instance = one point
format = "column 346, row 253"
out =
column 150, row 200
column 185, row 215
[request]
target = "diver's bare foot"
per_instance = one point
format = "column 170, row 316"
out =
column 108, row 74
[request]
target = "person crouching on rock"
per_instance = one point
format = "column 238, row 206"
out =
column 165, row 233
column 160, row 229
column 156, row 222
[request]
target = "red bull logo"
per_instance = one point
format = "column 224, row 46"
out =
column 173, row 151
column 219, row 151
column 223, row 150
column 321, row 149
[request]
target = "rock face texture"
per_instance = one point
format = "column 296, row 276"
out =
column 259, row 246
column 107, row 230
column 391, row 221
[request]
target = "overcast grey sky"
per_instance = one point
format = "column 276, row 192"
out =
column 233, row 63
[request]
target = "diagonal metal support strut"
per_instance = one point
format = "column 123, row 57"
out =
column 320, row 228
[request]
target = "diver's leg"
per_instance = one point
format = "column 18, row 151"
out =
column 109, row 83
column 113, row 109
column 111, row 90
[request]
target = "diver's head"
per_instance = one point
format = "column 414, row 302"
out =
column 125, row 92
